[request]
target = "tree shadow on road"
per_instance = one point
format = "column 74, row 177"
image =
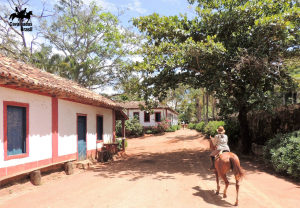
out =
column 210, row 197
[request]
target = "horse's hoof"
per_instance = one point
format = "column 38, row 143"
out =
column 236, row 204
column 224, row 196
column 217, row 193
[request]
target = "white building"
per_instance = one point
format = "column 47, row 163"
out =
column 147, row 119
column 45, row 119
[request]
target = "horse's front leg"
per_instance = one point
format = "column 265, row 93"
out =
column 217, row 179
column 226, row 184
column 237, row 185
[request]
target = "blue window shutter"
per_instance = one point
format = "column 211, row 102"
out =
column 16, row 130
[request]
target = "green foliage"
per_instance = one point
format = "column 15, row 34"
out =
column 120, row 143
column 178, row 126
column 283, row 152
column 232, row 129
column 93, row 40
column 212, row 126
column 234, row 47
column 192, row 125
column 134, row 126
column 200, row 126
column 184, row 117
column 148, row 131
column 172, row 128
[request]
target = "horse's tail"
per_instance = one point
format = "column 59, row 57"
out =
column 238, row 171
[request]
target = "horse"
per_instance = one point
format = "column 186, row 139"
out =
column 226, row 162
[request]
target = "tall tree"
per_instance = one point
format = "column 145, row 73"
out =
column 234, row 47
column 98, row 46
column 14, row 42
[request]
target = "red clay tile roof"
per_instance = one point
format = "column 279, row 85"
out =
column 135, row 105
column 15, row 73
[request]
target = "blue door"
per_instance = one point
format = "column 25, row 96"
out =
column 81, row 137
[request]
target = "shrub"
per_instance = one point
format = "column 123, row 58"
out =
column 212, row 126
column 178, row 127
column 200, row 126
column 232, row 129
column 283, row 152
column 192, row 125
column 120, row 143
column 149, row 132
column 134, row 126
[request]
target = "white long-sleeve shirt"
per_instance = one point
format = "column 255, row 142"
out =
column 221, row 142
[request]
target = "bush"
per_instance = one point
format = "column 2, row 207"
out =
column 233, row 132
column 192, row 125
column 178, row 127
column 283, row 152
column 120, row 143
column 149, row 132
column 212, row 126
column 200, row 126
column 134, row 126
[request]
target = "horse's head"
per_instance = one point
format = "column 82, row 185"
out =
column 211, row 145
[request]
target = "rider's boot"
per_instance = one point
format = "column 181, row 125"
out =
column 212, row 160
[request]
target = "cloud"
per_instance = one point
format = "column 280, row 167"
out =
column 135, row 6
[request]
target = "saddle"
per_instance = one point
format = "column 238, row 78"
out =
column 221, row 152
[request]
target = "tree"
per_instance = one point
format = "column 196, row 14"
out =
column 235, row 48
column 14, row 42
column 97, row 45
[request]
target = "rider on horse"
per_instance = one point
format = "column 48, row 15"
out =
column 220, row 140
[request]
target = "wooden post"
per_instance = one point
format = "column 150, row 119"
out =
column 123, row 135
column 36, row 177
column 69, row 168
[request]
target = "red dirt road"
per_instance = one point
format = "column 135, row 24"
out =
column 160, row 171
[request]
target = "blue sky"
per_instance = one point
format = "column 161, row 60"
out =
column 136, row 8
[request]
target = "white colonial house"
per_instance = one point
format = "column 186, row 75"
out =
column 46, row 119
column 147, row 119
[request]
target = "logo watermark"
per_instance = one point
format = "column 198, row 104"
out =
column 22, row 16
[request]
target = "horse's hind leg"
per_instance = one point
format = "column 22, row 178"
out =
column 226, row 184
column 217, row 179
column 237, row 185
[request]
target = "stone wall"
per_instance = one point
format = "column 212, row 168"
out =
column 264, row 126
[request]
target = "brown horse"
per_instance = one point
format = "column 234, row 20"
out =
column 223, row 164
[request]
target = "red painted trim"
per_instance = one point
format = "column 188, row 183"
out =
column 155, row 116
column 145, row 117
column 81, row 114
column 114, row 125
column 15, row 169
column 98, row 115
column 138, row 115
column 36, row 164
column 44, row 162
column 46, row 94
column 54, row 129
column 26, row 105
column 3, row 172
column 30, row 165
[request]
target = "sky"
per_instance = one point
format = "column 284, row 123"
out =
column 135, row 8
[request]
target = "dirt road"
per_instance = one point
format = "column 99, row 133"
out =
column 161, row 171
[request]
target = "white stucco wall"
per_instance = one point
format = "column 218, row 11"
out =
column 173, row 117
column 40, row 126
column 152, row 117
column 67, row 126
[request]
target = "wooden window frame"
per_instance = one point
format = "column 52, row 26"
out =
column 155, row 116
column 145, row 118
column 17, row 104
column 137, row 113
column 99, row 141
